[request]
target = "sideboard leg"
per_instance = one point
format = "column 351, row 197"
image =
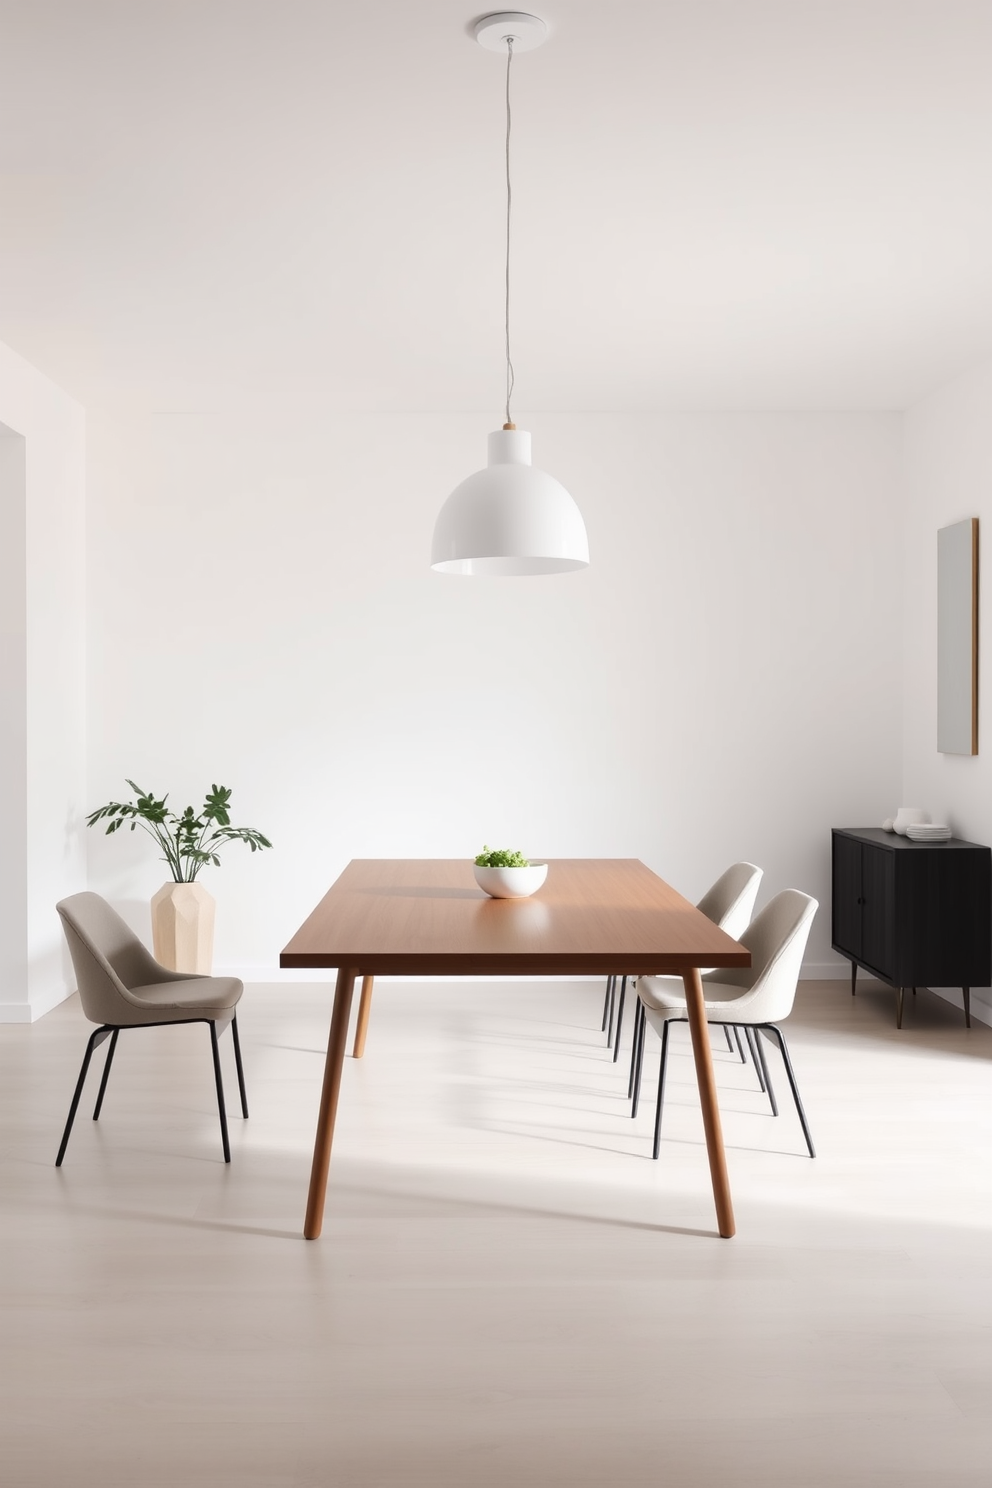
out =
column 854, row 976
column 899, row 996
column 967, row 1006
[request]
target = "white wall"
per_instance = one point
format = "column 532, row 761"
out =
column 948, row 477
column 724, row 681
column 13, row 720
column 42, row 734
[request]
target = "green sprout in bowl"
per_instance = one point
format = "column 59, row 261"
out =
column 500, row 858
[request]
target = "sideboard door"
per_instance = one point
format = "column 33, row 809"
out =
column 847, row 896
column 878, row 924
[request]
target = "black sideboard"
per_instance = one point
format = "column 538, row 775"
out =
column 913, row 914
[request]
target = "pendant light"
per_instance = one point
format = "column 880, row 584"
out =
column 510, row 518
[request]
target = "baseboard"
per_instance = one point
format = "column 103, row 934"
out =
column 826, row 971
column 15, row 1012
column 816, row 971
column 30, row 1012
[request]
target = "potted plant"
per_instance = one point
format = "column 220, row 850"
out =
column 182, row 910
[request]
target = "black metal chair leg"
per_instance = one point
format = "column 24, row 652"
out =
column 765, row 1071
column 854, row 977
column 106, row 1073
column 606, row 1002
column 638, row 1025
column 220, row 1091
column 95, row 1039
column 967, row 1005
column 640, row 1065
column 237, row 1061
column 740, row 1046
column 661, row 1089
column 612, row 1002
column 623, row 994
column 773, row 1028
column 756, row 1057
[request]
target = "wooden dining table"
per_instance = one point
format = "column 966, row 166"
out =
column 428, row 918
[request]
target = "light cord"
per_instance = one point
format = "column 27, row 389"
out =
column 509, row 202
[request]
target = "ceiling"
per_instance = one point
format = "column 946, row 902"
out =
column 208, row 204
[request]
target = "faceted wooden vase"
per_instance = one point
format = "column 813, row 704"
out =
column 183, row 927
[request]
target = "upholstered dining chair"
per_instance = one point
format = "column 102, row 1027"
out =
column 729, row 903
column 757, row 998
column 122, row 986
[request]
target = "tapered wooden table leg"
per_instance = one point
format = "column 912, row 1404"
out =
column 696, row 1009
column 333, row 1066
column 364, row 1008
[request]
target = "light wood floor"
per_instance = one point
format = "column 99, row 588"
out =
column 508, row 1291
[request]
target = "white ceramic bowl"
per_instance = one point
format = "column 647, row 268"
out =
column 511, row 883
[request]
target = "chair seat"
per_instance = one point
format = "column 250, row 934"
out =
column 665, row 997
column 200, row 997
column 657, row 991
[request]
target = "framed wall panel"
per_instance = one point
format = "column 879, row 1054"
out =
column 957, row 638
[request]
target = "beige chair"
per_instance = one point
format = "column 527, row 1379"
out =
column 122, row 986
column 729, row 903
column 756, row 998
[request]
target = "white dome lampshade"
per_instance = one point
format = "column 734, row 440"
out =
column 509, row 518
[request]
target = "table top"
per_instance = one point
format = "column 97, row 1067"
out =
column 592, row 915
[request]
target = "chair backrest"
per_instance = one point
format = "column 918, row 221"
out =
column 107, row 957
column 729, row 903
column 777, row 940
